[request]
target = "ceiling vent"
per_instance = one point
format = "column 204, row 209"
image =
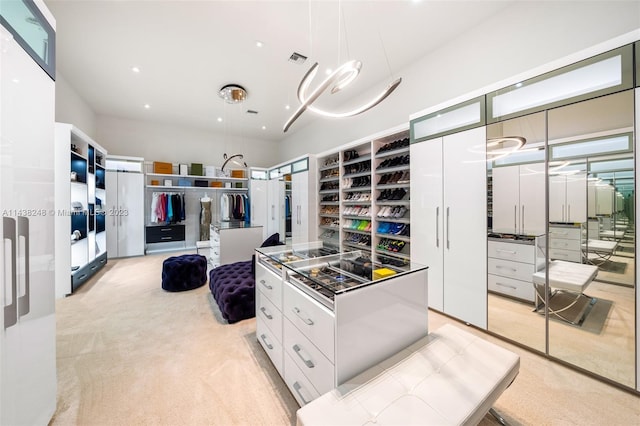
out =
column 250, row 111
column 297, row 58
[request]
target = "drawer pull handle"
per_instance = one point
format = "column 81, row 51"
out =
column 266, row 314
column 298, row 312
column 298, row 388
column 507, row 268
column 506, row 251
column 264, row 283
column 264, row 339
column 165, row 238
column 307, row 362
column 165, row 229
column 506, row 285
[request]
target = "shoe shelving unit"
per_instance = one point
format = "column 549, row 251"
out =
column 364, row 198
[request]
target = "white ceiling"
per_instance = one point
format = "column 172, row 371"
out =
column 187, row 50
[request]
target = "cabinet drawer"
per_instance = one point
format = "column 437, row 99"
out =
column 505, row 268
column 511, row 251
column 566, row 233
column 268, row 314
column 301, row 388
column 568, row 255
column 309, row 359
column 269, row 284
column 515, row 288
column 271, row 345
column 562, row 243
column 311, row 318
column 161, row 234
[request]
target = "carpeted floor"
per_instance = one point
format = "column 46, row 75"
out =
column 131, row 354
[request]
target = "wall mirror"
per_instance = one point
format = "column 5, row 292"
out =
column 516, row 152
column 592, row 225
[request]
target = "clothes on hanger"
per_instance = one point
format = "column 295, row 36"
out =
column 233, row 206
column 167, row 207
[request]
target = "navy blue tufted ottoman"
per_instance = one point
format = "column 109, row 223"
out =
column 233, row 287
column 186, row 272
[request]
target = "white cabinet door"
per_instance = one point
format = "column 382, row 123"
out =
column 130, row 214
column 276, row 212
column 532, row 194
column 465, row 227
column 427, row 223
column 300, row 207
column 110, row 206
column 577, row 198
column 557, row 198
column 259, row 204
column 506, row 190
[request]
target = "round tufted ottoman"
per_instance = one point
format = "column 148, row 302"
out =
column 233, row 288
column 186, row 272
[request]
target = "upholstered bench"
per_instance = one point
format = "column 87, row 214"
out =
column 450, row 377
column 233, row 288
column 186, row 272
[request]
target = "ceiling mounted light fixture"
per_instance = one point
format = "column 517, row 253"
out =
column 235, row 159
column 503, row 146
column 232, row 93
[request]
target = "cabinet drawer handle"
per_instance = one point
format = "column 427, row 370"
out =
column 165, row 229
column 506, row 285
column 82, row 277
column 266, row 314
column 298, row 388
column 307, row 362
column 298, row 312
column 93, row 267
column 264, row 283
column 507, row 268
column 264, row 339
column 165, row 238
column 506, row 251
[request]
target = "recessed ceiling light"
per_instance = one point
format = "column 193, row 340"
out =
column 135, row 70
column 259, row 43
column 287, row 106
column 328, row 71
column 219, row 119
column 16, row 80
column 147, row 106
column 519, row 85
column 264, row 127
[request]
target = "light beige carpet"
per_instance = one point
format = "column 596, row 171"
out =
column 131, row 354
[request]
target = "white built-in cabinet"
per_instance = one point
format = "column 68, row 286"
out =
column 600, row 199
column 568, row 198
column 125, row 221
column 276, row 208
column 517, row 206
column 300, row 207
column 259, row 198
column 448, row 222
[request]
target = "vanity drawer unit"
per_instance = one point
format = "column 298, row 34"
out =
column 565, row 243
column 334, row 320
column 510, row 266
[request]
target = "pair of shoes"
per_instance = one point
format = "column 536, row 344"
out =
column 330, row 198
column 396, row 212
column 332, row 161
column 394, row 161
column 326, row 186
column 397, row 144
column 349, row 155
column 392, row 194
column 363, row 166
column 390, row 245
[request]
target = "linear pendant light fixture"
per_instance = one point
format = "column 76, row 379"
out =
column 339, row 79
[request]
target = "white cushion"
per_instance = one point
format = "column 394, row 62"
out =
column 450, row 377
column 570, row 276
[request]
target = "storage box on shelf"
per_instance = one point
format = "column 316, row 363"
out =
column 81, row 248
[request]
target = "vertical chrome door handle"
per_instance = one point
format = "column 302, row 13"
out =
column 568, row 212
column 23, row 231
column 522, row 221
column 563, row 212
column 447, row 228
column 273, row 212
column 9, row 233
column 515, row 219
column 113, row 214
column 437, row 226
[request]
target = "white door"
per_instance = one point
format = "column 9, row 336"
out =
column 259, row 204
column 557, row 198
column 300, row 207
column 577, row 198
column 111, row 206
column 427, row 215
column 27, row 283
column 130, row 214
column 276, row 212
column 506, row 189
column 532, row 195
column 465, row 236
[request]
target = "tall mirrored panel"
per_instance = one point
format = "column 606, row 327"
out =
column 592, row 236
column 516, row 152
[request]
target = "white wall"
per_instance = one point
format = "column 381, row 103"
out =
column 71, row 108
column 524, row 36
column 174, row 144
